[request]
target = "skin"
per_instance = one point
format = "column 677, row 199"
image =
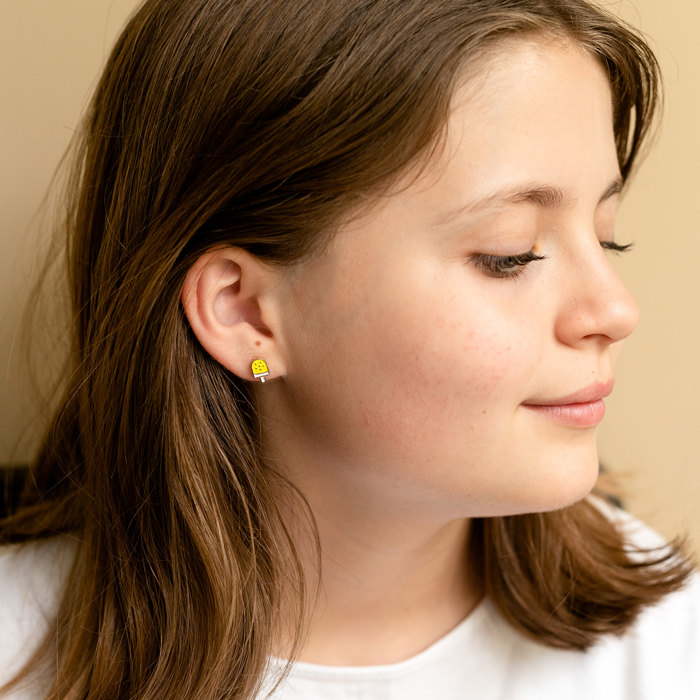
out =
column 405, row 363
column 408, row 364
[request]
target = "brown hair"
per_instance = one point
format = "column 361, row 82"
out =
column 258, row 123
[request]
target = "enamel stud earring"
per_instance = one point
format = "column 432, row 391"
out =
column 260, row 369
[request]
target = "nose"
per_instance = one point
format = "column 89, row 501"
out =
column 596, row 304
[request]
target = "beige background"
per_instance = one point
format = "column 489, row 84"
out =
column 50, row 55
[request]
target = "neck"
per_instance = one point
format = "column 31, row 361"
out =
column 394, row 563
column 388, row 588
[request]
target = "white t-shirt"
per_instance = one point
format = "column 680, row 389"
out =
column 482, row 658
column 485, row 659
column 31, row 583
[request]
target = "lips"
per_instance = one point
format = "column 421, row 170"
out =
column 582, row 409
column 594, row 392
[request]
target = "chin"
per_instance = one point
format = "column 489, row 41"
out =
column 570, row 481
column 553, row 484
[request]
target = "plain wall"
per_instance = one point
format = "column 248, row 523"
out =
column 651, row 431
column 51, row 54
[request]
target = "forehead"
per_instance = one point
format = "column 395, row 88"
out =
column 520, row 78
column 531, row 105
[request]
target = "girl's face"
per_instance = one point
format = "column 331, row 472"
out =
column 449, row 350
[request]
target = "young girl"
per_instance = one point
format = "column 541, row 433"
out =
column 343, row 324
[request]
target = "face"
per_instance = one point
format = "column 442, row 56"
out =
column 451, row 349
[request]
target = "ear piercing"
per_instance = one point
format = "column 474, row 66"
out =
column 260, row 369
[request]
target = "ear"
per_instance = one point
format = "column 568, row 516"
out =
column 229, row 302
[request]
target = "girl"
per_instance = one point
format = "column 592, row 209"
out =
column 343, row 324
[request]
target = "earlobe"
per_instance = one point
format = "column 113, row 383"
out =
column 227, row 299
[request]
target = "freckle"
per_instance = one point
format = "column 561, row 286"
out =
column 483, row 413
column 257, row 342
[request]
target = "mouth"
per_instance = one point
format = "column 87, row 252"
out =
column 582, row 409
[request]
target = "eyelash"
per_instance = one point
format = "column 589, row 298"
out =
column 510, row 266
column 616, row 247
column 505, row 266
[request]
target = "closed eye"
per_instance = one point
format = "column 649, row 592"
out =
column 505, row 266
column 616, row 247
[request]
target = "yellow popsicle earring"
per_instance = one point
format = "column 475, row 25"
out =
column 260, row 369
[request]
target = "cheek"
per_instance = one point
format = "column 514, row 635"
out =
column 450, row 373
column 474, row 348
column 411, row 363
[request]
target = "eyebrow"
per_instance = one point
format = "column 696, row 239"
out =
column 544, row 196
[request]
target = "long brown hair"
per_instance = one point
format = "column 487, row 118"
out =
column 258, row 123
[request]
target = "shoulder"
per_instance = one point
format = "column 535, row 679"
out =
column 659, row 654
column 664, row 643
column 682, row 607
column 32, row 579
column 658, row 657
